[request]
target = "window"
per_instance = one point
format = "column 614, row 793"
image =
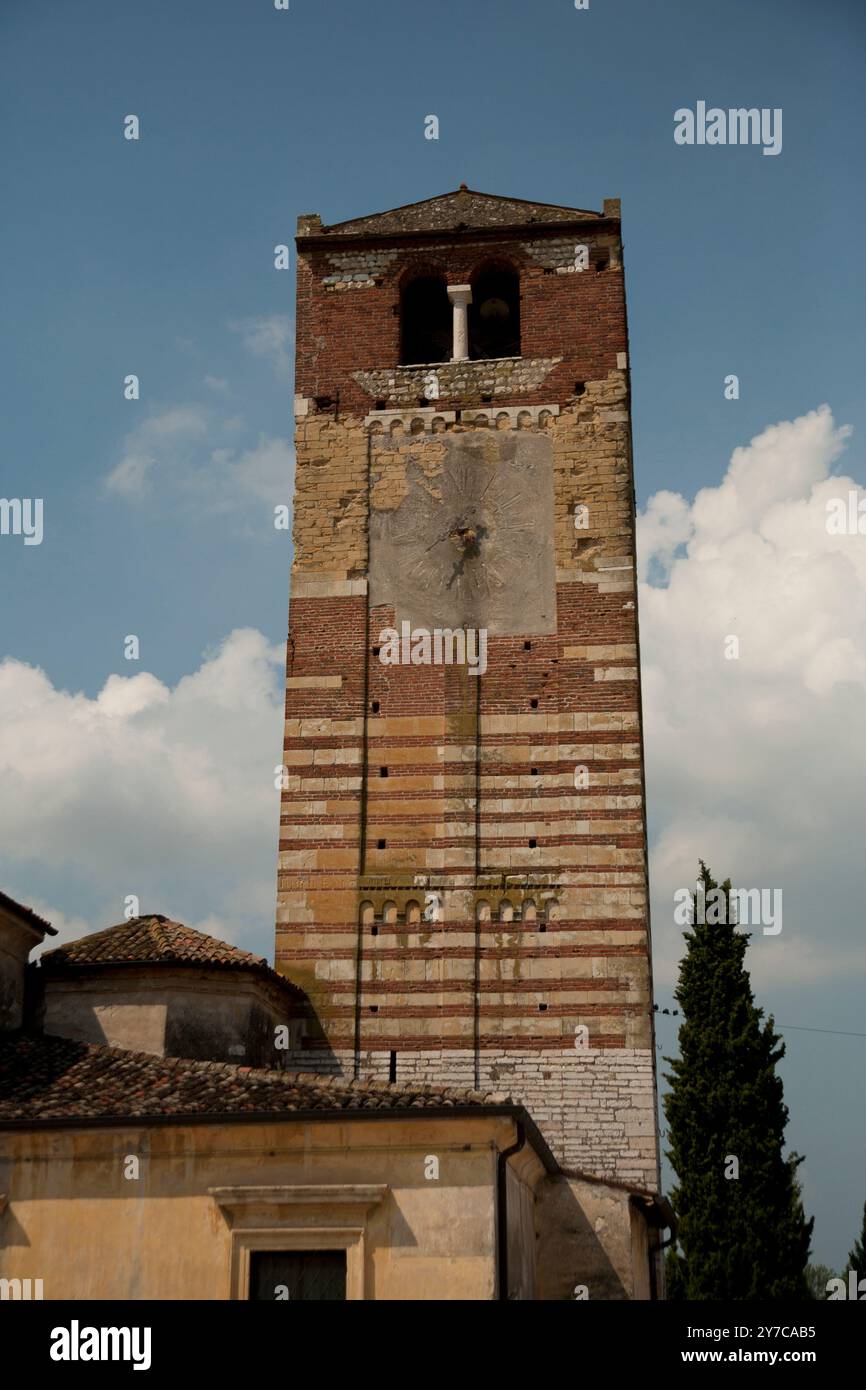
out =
column 494, row 314
column 298, row 1275
column 425, row 321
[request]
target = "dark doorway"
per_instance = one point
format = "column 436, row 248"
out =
column 425, row 321
column 494, row 315
column 298, row 1275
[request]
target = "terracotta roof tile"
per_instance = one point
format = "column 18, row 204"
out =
column 154, row 940
column 45, row 1078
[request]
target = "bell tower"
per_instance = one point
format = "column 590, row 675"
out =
column 462, row 887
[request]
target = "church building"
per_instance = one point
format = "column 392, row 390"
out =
column 445, row 1087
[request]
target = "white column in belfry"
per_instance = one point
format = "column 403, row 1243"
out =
column 461, row 298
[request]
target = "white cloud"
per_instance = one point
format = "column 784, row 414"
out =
column 162, row 792
column 269, row 338
column 163, row 438
column 665, row 526
column 757, row 764
column 181, row 453
column 267, row 471
column 264, row 473
column 217, row 384
column 68, row 926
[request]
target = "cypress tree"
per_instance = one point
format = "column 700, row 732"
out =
column 744, row 1236
column 857, row 1257
column 817, row 1278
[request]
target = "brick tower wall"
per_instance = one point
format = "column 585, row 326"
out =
column 499, row 935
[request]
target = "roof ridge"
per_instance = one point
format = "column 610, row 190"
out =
column 153, row 938
column 472, row 192
column 157, row 933
column 432, row 214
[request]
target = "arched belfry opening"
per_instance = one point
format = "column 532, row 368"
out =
column 494, row 314
column 425, row 321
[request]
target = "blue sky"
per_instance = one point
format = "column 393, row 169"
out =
column 155, row 257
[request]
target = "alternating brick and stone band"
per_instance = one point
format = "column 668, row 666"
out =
column 462, row 875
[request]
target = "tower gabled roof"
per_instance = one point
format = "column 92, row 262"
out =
column 464, row 208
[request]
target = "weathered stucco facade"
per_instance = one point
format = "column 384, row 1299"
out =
column 207, row 1195
column 169, row 1178
column 153, row 985
column 20, row 931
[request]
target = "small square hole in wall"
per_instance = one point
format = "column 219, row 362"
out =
column 542, row 1008
column 374, row 931
column 375, row 707
column 374, row 1008
column 534, row 772
column 379, row 405
column 381, row 844
column 533, row 704
column 383, row 772
column 527, row 646
column 542, row 926
column 533, row 844
column 579, row 388
column 376, row 651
